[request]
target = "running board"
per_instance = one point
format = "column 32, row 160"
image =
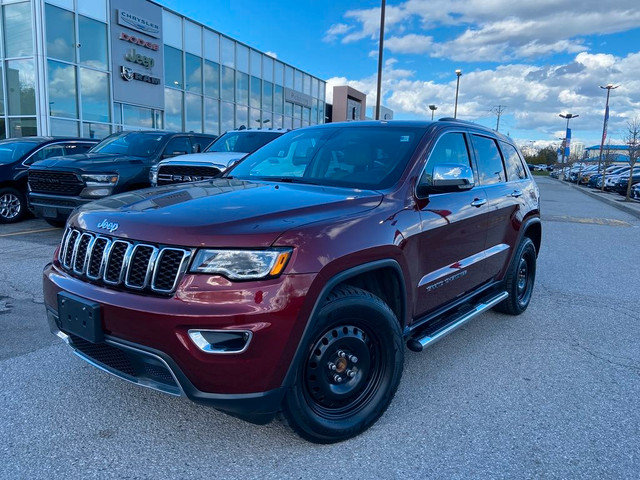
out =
column 430, row 337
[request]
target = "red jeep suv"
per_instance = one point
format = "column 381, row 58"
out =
column 293, row 282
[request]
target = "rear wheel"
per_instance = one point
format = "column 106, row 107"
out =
column 520, row 279
column 350, row 371
column 13, row 205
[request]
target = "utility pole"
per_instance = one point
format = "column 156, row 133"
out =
column 380, row 49
column 498, row 110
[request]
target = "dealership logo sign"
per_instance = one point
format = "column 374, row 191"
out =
column 137, row 23
column 128, row 74
column 134, row 57
column 139, row 41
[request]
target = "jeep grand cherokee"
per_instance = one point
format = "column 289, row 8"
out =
column 293, row 282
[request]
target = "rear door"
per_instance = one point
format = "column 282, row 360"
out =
column 453, row 233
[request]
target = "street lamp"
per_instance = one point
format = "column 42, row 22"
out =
column 609, row 87
column 380, row 50
column 433, row 109
column 455, row 110
column 567, row 138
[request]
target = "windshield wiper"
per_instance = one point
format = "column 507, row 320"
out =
column 289, row 180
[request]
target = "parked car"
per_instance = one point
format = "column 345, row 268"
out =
column 220, row 155
column 635, row 191
column 596, row 179
column 16, row 154
column 611, row 180
column 623, row 182
column 119, row 163
column 293, row 280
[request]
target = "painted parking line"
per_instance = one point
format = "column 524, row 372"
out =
column 27, row 232
column 591, row 221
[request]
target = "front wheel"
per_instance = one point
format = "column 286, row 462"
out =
column 520, row 279
column 13, row 205
column 350, row 370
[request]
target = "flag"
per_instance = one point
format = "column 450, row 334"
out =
column 567, row 143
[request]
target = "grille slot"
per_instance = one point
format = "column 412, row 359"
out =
column 61, row 183
column 123, row 263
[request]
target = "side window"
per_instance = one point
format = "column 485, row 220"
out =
column 451, row 148
column 46, row 152
column 490, row 168
column 515, row 169
column 200, row 143
column 75, row 148
column 178, row 146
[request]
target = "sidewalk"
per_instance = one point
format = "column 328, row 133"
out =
column 631, row 207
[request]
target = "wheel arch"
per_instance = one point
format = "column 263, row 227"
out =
column 533, row 229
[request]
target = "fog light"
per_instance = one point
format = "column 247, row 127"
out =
column 221, row 341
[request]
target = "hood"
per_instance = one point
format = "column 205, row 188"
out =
column 221, row 212
column 218, row 158
column 85, row 161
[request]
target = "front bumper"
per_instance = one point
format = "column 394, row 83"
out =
column 54, row 207
column 146, row 337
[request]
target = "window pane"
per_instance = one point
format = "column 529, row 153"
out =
column 95, row 130
column 193, row 121
column 93, row 41
column 212, row 46
column 277, row 121
column 64, row 128
column 242, row 116
column 21, row 86
column 278, row 77
column 68, row 4
column 256, row 64
column 93, row 8
column 278, row 99
column 193, row 38
column 267, row 68
column 288, row 77
column 22, row 127
column 314, row 111
column 226, row 116
column 321, row 118
column 242, row 88
column 267, row 96
column 211, row 79
column 18, row 40
column 171, row 29
column 94, row 90
column 515, row 169
column 193, row 72
column 137, row 116
column 173, row 109
column 297, row 80
column 211, row 116
column 227, row 51
column 117, row 112
column 62, row 90
column 254, row 99
column 228, row 84
column 173, row 67
column 490, row 169
column 288, row 109
column 254, row 118
column 242, row 58
column 60, row 33
column 1, row 99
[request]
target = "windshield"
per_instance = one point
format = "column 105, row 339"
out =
column 242, row 142
column 11, row 152
column 371, row 157
column 136, row 144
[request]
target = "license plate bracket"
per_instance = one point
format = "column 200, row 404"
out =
column 80, row 317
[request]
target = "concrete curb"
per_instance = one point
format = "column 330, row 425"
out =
column 632, row 207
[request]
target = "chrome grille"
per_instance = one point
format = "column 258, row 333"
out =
column 123, row 263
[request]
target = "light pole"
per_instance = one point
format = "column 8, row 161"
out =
column 380, row 50
column 433, row 109
column 609, row 87
column 455, row 110
column 567, row 138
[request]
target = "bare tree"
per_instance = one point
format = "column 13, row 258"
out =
column 632, row 139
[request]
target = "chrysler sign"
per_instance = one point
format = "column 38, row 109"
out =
column 138, row 23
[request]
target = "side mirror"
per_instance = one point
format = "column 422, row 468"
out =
column 448, row 177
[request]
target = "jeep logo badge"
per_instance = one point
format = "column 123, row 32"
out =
column 106, row 225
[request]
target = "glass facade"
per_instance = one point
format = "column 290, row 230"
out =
column 212, row 83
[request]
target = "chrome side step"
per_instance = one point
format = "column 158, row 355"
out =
column 429, row 337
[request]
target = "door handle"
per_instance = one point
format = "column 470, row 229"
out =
column 478, row 202
column 516, row 193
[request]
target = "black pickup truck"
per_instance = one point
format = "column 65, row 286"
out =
column 120, row 163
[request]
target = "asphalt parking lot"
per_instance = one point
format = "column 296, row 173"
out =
column 554, row 393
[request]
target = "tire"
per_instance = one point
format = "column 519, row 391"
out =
column 520, row 279
column 358, row 339
column 13, row 205
column 55, row 223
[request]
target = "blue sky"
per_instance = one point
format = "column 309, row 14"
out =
column 538, row 59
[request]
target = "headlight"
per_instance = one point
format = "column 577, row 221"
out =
column 107, row 180
column 242, row 264
column 153, row 176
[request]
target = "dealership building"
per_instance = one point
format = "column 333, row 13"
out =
column 92, row 67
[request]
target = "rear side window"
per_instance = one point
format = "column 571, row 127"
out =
column 513, row 162
column 451, row 148
column 490, row 168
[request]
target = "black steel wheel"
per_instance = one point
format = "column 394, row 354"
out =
column 13, row 205
column 520, row 279
column 351, row 368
